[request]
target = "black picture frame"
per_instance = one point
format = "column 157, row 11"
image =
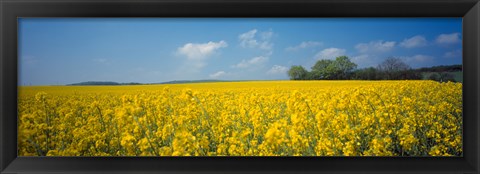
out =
column 10, row 10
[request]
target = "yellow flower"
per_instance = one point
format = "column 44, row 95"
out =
column 258, row 118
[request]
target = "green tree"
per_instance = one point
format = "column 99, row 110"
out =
column 434, row 76
column 322, row 69
column 297, row 73
column 411, row 75
column 366, row 74
column 344, row 67
column 340, row 68
column 446, row 77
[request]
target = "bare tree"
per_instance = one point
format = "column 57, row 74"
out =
column 393, row 68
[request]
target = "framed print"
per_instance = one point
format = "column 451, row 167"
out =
column 239, row 86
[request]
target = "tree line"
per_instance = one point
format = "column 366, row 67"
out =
column 342, row 68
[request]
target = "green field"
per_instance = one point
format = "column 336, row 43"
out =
column 457, row 75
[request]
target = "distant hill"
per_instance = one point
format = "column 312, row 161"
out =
column 100, row 83
column 455, row 71
column 209, row 81
column 191, row 81
column 97, row 83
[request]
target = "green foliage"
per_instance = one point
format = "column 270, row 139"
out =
column 297, row 73
column 410, row 75
column 441, row 77
column 339, row 69
column 446, row 77
column 434, row 76
column 323, row 69
column 391, row 69
column 442, row 68
column 370, row 73
column 344, row 67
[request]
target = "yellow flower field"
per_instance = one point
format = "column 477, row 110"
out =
column 258, row 118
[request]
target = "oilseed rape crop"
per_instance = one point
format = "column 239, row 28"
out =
column 257, row 118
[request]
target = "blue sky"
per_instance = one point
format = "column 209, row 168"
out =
column 56, row 51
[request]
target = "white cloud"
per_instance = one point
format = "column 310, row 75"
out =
column 368, row 60
column 304, row 45
column 252, row 62
column 277, row 69
column 266, row 45
column 375, row 46
column 217, row 74
column 365, row 60
column 199, row 51
column 418, row 60
column 196, row 56
column 448, row 38
column 249, row 40
column 415, row 41
column 421, row 58
column 453, row 54
column 330, row 53
column 266, row 35
column 361, row 57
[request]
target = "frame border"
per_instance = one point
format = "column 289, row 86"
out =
column 10, row 10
